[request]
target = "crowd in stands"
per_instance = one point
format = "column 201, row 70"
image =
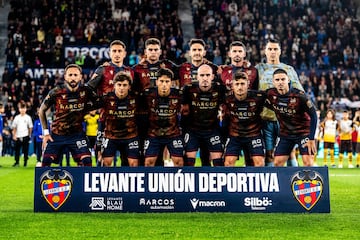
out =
column 320, row 38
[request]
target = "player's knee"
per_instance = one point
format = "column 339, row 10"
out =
column 86, row 161
column 217, row 162
column 150, row 161
column 189, row 162
column 47, row 160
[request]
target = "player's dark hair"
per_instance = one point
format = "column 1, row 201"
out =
column 237, row 44
column 197, row 40
column 278, row 71
column 165, row 72
column 273, row 40
column 72, row 65
column 240, row 75
column 118, row 42
column 152, row 41
column 122, row 76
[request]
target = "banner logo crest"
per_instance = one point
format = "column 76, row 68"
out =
column 56, row 186
column 307, row 188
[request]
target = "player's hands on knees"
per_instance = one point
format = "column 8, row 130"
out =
column 46, row 138
column 311, row 147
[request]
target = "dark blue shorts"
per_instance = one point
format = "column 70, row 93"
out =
column 153, row 145
column 284, row 145
column 211, row 138
column 76, row 143
column 255, row 146
column 131, row 146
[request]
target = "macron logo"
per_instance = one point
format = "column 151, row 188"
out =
column 194, row 202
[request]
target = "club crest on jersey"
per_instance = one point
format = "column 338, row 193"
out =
column 82, row 93
column 307, row 188
column 56, row 186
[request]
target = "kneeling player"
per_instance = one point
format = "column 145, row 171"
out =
column 121, row 132
column 163, row 106
column 297, row 117
column 242, row 115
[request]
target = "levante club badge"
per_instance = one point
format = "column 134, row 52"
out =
column 56, row 186
column 307, row 187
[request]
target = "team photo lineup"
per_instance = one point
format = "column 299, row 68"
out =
column 160, row 113
column 157, row 111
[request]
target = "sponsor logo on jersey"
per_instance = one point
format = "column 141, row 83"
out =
column 56, row 186
column 307, row 188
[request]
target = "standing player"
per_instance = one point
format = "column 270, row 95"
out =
column 242, row 110
column 188, row 70
column 70, row 101
column 237, row 55
column 297, row 118
column 202, row 101
column 329, row 129
column 345, row 128
column 102, row 81
column 163, row 105
column 145, row 71
column 120, row 132
column 145, row 77
column 266, row 70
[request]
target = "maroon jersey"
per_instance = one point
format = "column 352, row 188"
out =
column 70, row 108
column 244, row 116
column 292, row 110
column 145, row 74
column 102, row 81
column 229, row 71
column 188, row 72
column 163, row 113
column 119, row 115
column 204, row 106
